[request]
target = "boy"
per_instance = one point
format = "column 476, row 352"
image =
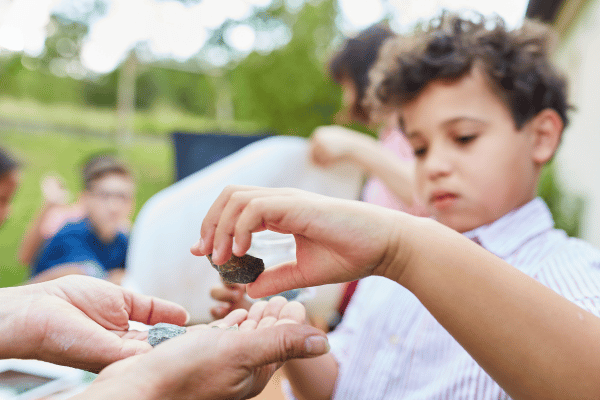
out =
column 484, row 111
column 94, row 246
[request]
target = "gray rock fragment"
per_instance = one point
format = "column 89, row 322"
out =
column 161, row 332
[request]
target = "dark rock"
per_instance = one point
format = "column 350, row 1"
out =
column 243, row 269
column 161, row 332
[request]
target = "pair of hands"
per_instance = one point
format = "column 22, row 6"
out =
column 336, row 240
column 83, row 322
column 207, row 363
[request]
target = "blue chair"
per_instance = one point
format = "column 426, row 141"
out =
column 194, row 151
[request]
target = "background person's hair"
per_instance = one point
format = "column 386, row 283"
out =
column 353, row 61
column 7, row 162
column 516, row 63
column 100, row 165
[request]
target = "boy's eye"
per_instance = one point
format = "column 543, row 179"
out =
column 420, row 151
column 466, row 139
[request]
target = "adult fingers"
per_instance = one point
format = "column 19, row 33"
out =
column 292, row 312
column 281, row 343
column 235, row 317
column 152, row 310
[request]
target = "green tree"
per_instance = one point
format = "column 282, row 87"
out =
column 288, row 90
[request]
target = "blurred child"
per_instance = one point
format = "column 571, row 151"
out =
column 95, row 245
column 389, row 161
column 54, row 213
column 484, row 111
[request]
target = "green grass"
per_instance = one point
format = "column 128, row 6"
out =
column 151, row 159
column 160, row 121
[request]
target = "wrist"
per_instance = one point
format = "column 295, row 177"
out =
column 398, row 261
column 118, row 388
column 15, row 336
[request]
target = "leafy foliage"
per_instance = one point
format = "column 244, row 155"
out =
column 566, row 208
column 288, row 90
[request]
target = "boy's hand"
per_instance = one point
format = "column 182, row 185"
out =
column 231, row 295
column 336, row 240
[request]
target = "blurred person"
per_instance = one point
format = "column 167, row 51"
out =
column 388, row 160
column 10, row 178
column 55, row 212
column 484, row 110
column 96, row 245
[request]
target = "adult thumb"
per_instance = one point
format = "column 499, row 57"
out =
column 283, row 342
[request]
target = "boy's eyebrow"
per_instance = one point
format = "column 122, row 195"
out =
column 445, row 124
column 461, row 119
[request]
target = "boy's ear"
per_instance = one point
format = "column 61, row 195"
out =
column 546, row 128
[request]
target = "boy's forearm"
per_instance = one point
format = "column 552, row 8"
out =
column 532, row 341
column 312, row 379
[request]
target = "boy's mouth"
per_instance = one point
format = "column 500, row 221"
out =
column 441, row 200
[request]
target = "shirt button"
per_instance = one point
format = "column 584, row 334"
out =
column 394, row 339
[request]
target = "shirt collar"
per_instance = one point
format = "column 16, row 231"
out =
column 508, row 233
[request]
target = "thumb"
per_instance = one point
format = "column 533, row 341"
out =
column 283, row 342
column 278, row 279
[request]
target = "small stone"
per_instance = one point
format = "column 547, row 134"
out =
column 162, row 331
column 243, row 269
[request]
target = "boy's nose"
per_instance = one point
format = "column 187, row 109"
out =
column 437, row 162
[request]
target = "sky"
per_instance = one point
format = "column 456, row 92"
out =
column 173, row 30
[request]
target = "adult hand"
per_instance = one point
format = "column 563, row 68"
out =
column 231, row 297
column 209, row 363
column 79, row 321
column 336, row 240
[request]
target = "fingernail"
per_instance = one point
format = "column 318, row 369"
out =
column 188, row 317
column 316, row 345
column 215, row 254
column 235, row 248
column 201, row 244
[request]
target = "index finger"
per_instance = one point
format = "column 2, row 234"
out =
column 211, row 220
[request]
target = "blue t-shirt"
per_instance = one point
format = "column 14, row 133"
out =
column 78, row 243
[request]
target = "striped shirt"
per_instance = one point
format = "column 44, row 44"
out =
column 388, row 345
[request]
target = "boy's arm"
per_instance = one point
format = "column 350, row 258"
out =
column 532, row 341
column 312, row 379
column 335, row 143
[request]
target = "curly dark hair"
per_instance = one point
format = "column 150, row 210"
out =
column 353, row 61
column 516, row 63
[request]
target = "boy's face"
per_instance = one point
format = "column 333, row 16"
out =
column 109, row 203
column 8, row 186
column 472, row 164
